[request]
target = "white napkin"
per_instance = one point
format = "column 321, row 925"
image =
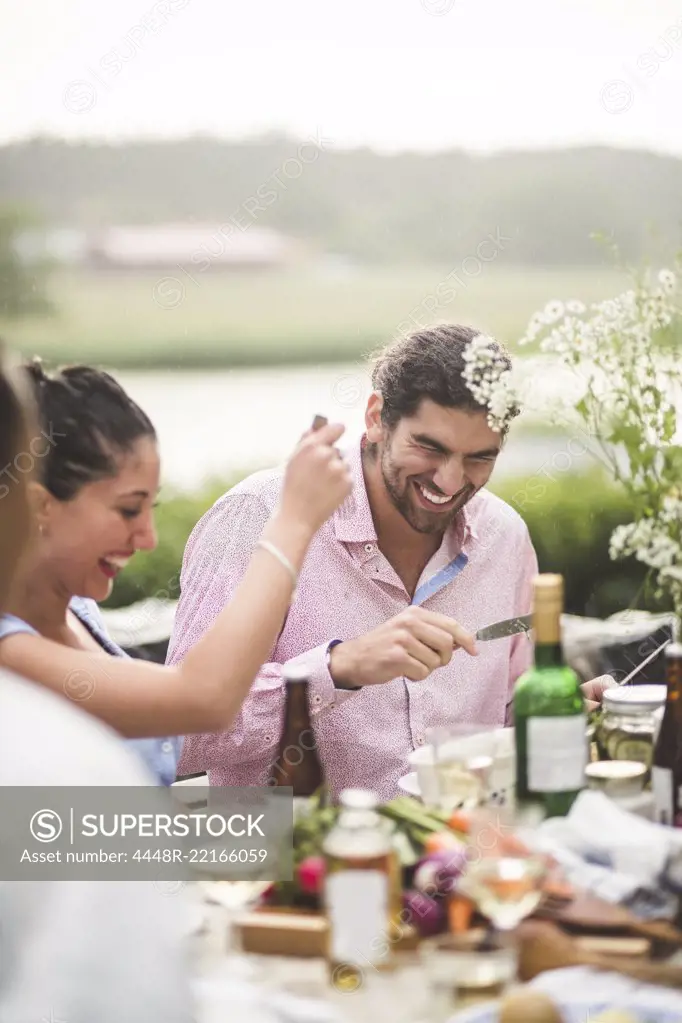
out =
column 239, row 1001
column 606, row 849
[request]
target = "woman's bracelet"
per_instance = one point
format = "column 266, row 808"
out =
column 283, row 560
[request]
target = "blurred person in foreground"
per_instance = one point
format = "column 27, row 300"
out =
column 72, row 951
column 393, row 586
column 92, row 499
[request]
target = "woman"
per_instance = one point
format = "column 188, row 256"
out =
column 71, row 950
column 97, row 469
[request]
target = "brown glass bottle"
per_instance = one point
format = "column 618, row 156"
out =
column 298, row 765
column 666, row 772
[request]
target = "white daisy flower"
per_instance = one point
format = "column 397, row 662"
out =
column 668, row 281
column 553, row 311
column 575, row 306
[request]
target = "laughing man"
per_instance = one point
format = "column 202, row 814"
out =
column 395, row 583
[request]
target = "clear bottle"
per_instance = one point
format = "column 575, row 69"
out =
column 357, row 894
column 549, row 711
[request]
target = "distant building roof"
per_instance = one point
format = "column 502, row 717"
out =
column 185, row 243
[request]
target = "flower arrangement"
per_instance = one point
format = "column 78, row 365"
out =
column 622, row 355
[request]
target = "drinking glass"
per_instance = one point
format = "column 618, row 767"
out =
column 503, row 878
column 463, row 758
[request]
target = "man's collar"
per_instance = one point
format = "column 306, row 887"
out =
column 353, row 522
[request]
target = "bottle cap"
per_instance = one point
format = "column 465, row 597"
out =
column 549, row 584
column 358, row 799
column 634, row 699
column 673, row 650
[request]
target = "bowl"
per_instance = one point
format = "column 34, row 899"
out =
column 502, row 775
column 616, row 778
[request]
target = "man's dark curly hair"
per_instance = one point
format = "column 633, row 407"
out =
column 427, row 364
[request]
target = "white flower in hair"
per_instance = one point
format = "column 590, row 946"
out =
column 488, row 377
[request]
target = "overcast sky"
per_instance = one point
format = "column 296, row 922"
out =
column 394, row 74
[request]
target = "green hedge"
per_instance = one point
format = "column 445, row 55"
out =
column 570, row 520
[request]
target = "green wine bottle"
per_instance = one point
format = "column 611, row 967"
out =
column 549, row 711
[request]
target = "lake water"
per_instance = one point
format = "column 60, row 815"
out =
column 212, row 423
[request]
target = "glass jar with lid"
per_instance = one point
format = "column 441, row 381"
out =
column 629, row 723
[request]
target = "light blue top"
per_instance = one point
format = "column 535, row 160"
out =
column 160, row 755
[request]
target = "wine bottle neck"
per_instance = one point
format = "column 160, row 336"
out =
column 548, row 655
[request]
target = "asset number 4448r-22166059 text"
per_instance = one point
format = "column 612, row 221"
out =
column 200, row 855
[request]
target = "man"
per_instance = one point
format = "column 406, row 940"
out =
column 416, row 560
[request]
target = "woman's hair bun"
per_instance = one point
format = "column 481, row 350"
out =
column 35, row 370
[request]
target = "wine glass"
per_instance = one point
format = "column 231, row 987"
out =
column 503, row 878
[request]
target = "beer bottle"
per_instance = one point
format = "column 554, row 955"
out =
column 298, row 764
column 666, row 771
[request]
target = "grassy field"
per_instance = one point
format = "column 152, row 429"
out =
column 277, row 317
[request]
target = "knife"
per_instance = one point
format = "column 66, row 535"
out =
column 509, row 627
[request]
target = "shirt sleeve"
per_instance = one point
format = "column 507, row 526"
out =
column 521, row 648
column 217, row 555
column 10, row 625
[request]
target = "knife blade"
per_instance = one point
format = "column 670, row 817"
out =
column 509, row 627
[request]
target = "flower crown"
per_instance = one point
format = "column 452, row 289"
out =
column 489, row 378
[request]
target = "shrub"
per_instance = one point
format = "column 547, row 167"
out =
column 570, row 521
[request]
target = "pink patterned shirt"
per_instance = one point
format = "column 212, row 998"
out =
column 482, row 573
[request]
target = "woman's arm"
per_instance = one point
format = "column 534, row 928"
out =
column 205, row 691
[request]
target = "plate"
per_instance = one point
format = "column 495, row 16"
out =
column 409, row 785
column 567, row 988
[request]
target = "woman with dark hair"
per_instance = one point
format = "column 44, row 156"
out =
column 71, row 950
column 97, row 476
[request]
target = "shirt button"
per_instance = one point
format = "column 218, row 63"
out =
column 419, row 740
column 369, row 547
column 166, row 747
column 317, row 699
column 268, row 738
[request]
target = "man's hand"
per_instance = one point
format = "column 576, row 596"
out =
column 413, row 644
column 593, row 691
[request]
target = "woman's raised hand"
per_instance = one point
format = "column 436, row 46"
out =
column 317, row 479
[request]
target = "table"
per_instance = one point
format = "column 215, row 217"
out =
column 401, row 995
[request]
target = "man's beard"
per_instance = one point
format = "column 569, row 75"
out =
column 420, row 519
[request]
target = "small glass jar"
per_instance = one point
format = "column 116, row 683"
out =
column 628, row 727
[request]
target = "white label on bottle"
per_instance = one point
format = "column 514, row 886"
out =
column 357, row 904
column 662, row 786
column 557, row 753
